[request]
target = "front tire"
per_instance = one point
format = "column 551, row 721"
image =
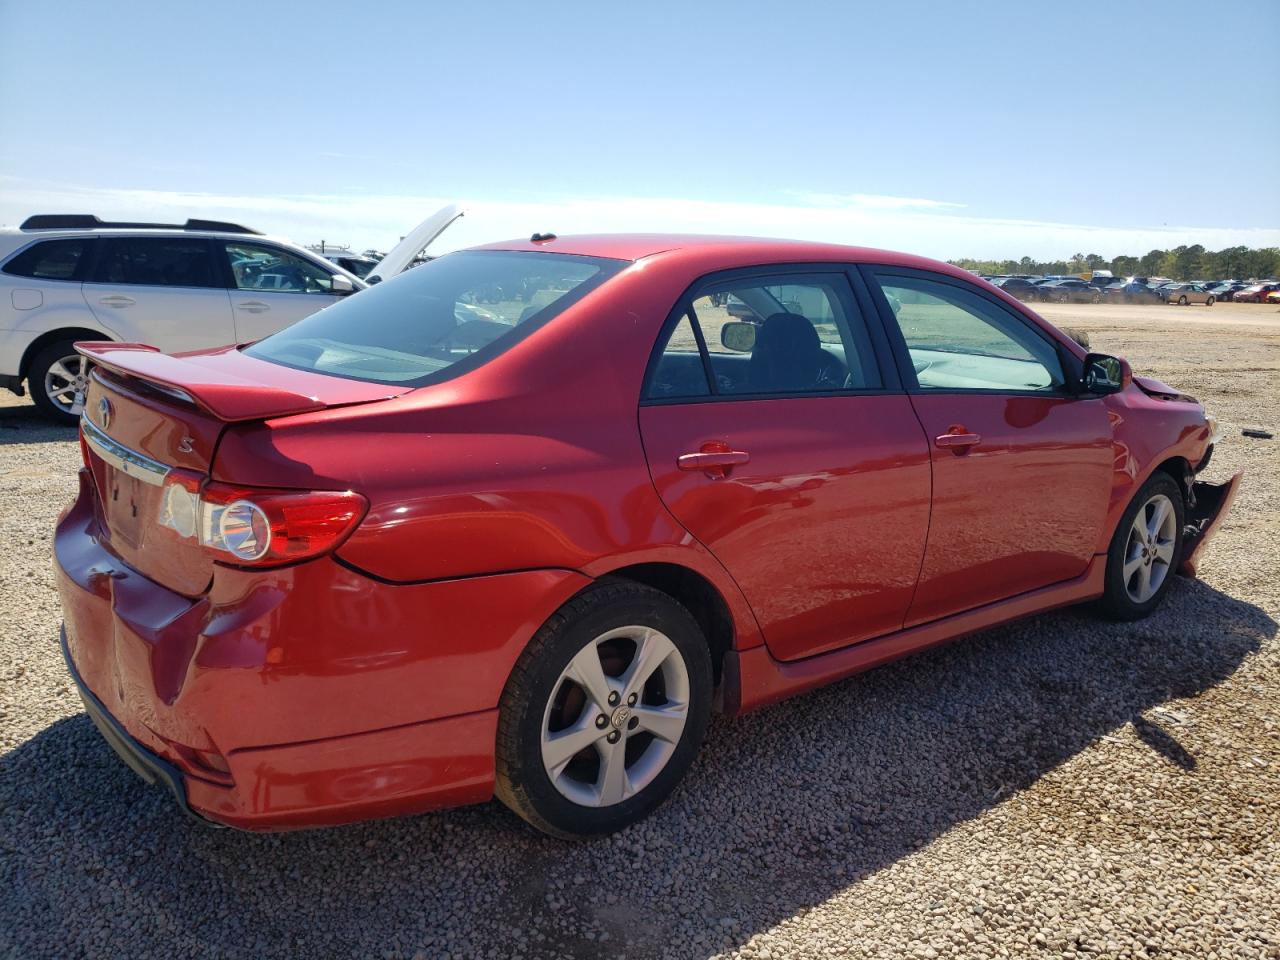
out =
column 1209, row 302
column 1145, row 550
column 58, row 380
column 604, row 711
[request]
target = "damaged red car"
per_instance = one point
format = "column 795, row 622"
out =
column 518, row 520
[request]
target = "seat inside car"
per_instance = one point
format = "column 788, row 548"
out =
column 788, row 357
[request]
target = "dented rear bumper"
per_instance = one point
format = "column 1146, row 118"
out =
column 1211, row 501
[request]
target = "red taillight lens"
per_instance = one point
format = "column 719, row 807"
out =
column 255, row 527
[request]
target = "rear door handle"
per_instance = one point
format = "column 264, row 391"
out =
column 715, row 459
column 958, row 440
column 117, row 300
column 253, row 306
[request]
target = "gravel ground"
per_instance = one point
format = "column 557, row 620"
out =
column 1061, row 787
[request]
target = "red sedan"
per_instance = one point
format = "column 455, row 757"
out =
column 1257, row 293
column 518, row 520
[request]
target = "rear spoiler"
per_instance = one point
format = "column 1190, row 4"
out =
column 207, row 385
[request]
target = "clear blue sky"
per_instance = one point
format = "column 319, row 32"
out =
column 1120, row 117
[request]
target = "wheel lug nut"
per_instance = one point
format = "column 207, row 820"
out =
column 614, row 737
column 614, row 698
column 602, row 721
column 631, row 700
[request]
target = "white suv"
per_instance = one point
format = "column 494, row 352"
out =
column 200, row 284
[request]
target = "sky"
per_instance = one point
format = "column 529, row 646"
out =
column 942, row 128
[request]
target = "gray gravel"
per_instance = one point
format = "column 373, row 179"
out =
column 1062, row 787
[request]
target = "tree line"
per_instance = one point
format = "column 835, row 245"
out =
column 1180, row 263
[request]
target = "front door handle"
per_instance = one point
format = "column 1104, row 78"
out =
column 957, row 439
column 253, row 306
column 715, row 459
column 117, row 300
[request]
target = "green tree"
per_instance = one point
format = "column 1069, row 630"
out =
column 1123, row 266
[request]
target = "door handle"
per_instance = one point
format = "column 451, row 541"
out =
column 117, row 300
column 957, row 439
column 253, row 306
column 715, row 459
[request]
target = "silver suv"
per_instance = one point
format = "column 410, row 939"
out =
column 178, row 287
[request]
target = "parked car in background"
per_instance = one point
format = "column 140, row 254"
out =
column 186, row 286
column 1018, row 287
column 1183, row 294
column 1255, row 293
column 353, row 263
column 1069, row 291
column 406, row 509
column 1226, row 290
column 1133, row 292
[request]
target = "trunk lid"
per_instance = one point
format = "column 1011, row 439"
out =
column 151, row 418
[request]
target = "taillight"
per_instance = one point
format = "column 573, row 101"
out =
column 255, row 527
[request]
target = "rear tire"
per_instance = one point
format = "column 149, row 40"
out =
column 58, row 380
column 642, row 654
column 1182, row 300
column 1145, row 550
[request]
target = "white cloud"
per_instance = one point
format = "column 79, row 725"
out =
column 870, row 201
column 928, row 227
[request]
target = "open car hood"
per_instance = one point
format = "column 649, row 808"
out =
column 417, row 240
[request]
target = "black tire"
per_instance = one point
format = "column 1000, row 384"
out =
column 522, row 782
column 1182, row 300
column 36, row 373
column 1116, row 603
column 1209, row 302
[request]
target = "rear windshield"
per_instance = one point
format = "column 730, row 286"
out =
column 438, row 320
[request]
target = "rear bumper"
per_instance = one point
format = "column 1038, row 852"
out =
column 1212, row 501
column 327, row 696
column 141, row 761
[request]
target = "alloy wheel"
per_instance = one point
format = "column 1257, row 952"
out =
column 615, row 716
column 1148, row 554
column 66, row 383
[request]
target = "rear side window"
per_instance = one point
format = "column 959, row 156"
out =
column 157, row 261
column 50, row 260
column 766, row 336
column 443, row 318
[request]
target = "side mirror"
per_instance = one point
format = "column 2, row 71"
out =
column 1104, row 374
column 738, row 336
column 340, row 286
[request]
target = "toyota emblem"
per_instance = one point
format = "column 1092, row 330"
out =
column 104, row 413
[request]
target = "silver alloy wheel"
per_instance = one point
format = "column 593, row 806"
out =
column 1148, row 555
column 626, row 696
column 66, row 382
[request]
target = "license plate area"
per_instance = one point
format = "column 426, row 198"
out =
column 124, row 506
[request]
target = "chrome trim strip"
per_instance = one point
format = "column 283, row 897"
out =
column 129, row 462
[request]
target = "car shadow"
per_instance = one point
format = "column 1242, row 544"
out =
column 22, row 422
column 784, row 808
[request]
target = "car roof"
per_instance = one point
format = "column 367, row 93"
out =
column 64, row 233
column 733, row 250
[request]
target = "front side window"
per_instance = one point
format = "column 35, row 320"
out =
column 157, row 261
column 447, row 316
column 267, row 269
column 958, row 340
column 760, row 336
column 50, row 260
